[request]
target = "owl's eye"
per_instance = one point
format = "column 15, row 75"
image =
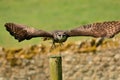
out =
column 59, row 35
column 64, row 35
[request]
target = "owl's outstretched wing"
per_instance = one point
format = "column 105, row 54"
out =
column 22, row 32
column 104, row 29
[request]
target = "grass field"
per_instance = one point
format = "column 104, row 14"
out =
column 54, row 14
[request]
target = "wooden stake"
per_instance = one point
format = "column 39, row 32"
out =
column 55, row 62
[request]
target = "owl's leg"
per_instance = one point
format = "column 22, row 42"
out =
column 53, row 45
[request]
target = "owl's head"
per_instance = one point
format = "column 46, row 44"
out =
column 60, row 36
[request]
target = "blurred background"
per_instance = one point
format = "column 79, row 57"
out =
column 54, row 14
column 83, row 57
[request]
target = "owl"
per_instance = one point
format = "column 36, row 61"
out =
column 107, row 29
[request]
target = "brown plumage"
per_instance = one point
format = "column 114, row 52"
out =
column 104, row 29
column 22, row 32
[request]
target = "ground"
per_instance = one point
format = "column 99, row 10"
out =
column 79, row 62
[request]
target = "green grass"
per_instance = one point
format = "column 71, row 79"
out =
column 54, row 14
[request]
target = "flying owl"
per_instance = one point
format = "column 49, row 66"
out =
column 101, row 29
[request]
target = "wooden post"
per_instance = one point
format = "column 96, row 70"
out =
column 55, row 62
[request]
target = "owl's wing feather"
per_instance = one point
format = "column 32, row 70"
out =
column 22, row 32
column 103, row 29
